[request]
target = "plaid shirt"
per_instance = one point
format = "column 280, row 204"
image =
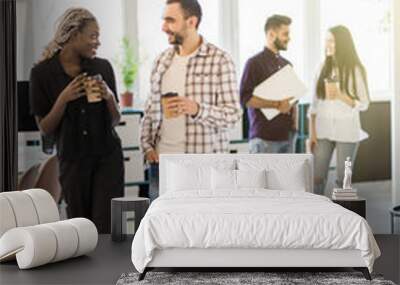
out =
column 211, row 82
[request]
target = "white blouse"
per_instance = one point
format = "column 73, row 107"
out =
column 337, row 121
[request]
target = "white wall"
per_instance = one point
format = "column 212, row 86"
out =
column 396, row 107
column 24, row 39
column 36, row 23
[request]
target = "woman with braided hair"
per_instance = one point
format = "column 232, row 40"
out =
column 74, row 98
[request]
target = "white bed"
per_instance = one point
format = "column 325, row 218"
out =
column 215, row 211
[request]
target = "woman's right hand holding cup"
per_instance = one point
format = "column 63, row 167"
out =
column 331, row 90
column 74, row 90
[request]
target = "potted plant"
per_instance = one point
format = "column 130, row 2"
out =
column 128, row 66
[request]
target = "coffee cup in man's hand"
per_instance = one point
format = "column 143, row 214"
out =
column 168, row 111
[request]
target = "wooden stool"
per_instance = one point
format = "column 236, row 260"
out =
column 120, row 208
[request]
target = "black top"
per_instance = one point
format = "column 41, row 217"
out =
column 257, row 69
column 86, row 128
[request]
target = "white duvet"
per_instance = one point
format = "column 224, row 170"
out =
column 252, row 218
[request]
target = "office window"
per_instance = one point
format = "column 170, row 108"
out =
column 152, row 41
column 370, row 24
column 252, row 17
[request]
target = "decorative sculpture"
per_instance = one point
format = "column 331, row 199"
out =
column 347, row 174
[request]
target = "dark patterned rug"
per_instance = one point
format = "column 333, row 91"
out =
column 244, row 278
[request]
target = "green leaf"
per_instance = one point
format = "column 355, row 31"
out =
column 127, row 63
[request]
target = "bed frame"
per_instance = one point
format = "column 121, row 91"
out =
column 242, row 259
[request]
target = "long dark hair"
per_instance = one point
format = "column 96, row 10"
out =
column 346, row 60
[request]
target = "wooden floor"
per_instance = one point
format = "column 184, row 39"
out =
column 106, row 264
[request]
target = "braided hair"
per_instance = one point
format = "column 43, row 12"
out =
column 72, row 21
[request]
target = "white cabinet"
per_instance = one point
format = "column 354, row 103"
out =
column 29, row 150
column 239, row 147
column 131, row 191
column 128, row 129
column 134, row 170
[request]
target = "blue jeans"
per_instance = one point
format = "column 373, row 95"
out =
column 153, row 181
column 322, row 158
column 258, row 145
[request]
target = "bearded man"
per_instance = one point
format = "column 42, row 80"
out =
column 276, row 135
column 194, row 98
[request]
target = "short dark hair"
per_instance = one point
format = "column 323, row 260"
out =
column 276, row 21
column 190, row 8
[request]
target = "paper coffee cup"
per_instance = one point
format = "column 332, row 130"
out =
column 164, row 99
column 329, row 86
column 92, row 94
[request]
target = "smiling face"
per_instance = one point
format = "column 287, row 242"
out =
column 176, row 25
column 86, row 42
column 330, row 45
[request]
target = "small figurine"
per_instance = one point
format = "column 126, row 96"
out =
column 347, row 174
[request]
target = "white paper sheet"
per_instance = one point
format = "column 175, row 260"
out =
column 281, row 85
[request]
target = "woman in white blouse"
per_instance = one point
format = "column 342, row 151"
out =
column 341, row 93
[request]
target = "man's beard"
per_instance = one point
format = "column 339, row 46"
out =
column 178, row 40
column 280, row 45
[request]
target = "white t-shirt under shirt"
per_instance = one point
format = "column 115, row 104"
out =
column 173, row 131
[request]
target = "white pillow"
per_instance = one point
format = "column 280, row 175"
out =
column 183, row 177
column 227, row 179
column 185, row 174
column 251, row 178
column 223, row 179
column 293, row 179
column 282, row 174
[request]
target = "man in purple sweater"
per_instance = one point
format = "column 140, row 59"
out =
column 276, row 135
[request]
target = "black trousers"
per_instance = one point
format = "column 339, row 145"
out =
column 90, row 183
